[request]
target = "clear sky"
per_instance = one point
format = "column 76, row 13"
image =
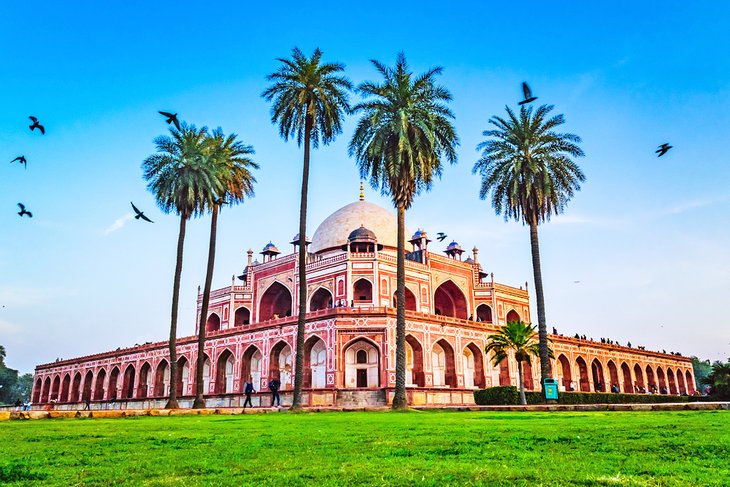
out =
column 647, row 238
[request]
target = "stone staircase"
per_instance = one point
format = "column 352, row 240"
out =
column 361, row 397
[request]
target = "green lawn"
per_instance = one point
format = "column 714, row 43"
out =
column 376, row 448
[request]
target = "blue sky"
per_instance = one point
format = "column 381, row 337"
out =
column 647, row 238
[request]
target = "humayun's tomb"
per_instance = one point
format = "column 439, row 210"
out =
column 349, row 353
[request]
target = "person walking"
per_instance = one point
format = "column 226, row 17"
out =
column 248, row 390
column 274, row 385
column 87, row 404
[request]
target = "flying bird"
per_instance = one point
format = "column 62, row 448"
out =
column 171, row 118
column 22, row 160
column 36, row 125
column 663, row 149
column 139, row 214
column 441, row 236
column 528, row 94
column 23, row 211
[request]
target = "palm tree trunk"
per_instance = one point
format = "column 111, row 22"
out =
column 540, row 296
column 199, row 402
column 523, row 399
column 302, row 317
column 172, row 401
column 400, row 401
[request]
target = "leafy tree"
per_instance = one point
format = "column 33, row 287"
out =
column 403, row 136
column 177, row 175
column 21, row 389
column 230, row 160
column 10, row 384
column 310, row 99
column 719, row 380
column 702, row 369
column 529, row 169
column 520, row 338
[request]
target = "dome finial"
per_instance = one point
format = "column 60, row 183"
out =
column 362, row 191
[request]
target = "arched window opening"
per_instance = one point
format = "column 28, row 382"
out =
column 88, row 386
column 242, row 317
column 484, row 313
column 628, row 383
column 162, row 379
column 280, row 364
column 183, row 377
column 473, row 364
column 37, row 391
column 585, row 385
column 145, row 381
column 46, row 390
column 65, row 387
column 99, row 387
column 613, row 373
column 513, row 316
column 363, row 291
column 650, row 381
column 599, row 384
column 414, row 363
column 56, row 388
column 206, row 376
column 565, row 373
column 213, row 323
column 224, row 373
column 662, row 380
column 689, row 381
column 672, row 384
column 504, row 378
column 113, row 382
column 639, row 379
column 128, row 383
column 251, row 370
column 410, row 300
column 449, row 300
column 527, row 377
column 76, row 388
column 321, row 299
column 275, row 303
column 315, row 363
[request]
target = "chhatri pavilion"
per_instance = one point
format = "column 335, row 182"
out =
column 452, row 306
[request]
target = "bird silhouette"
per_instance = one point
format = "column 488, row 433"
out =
column 22, row 160
column 663, row 149
column 36, row 125
column 528, row 94
column 171, row 118
column 441, row 236
column 139, row 214
column 23, row 211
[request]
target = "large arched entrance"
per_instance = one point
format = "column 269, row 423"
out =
column 527, row 378
column 680, row 383
column 473, row 364
column 410, row 300
column 613, row 375
column 639, row 379
column 275, row 302
column 414, row 362
column 650, row 380
column 362, row 365
column 46, row 390
column 65, row 386
column 99, row 387
column 225, row 370
column 162, row 379
column 565, row 372
column 585, row 385
column 241, row 317
column 597, row 373
column 315, row 363
column 183, row 376
column 662, row 380
column 672, row 384
column 37, row 391
column 628, row 383
column 56, row 388
column 484, row 313
column 690, row 382
column 321, row 299
column 504, row 378
column 450, row 301
column 113, row 382
column 252, row 367
column 76, row 388
column 280, row 364
column 363, row 291
column 213, row 323
column 88, row 386
column 145, row 381
column 128, row 382
column 206, row 375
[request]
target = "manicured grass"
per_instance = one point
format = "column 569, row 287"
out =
column 380, row 448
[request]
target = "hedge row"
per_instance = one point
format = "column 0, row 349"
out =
column 507, row 395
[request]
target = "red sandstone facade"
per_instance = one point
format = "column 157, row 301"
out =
column 349, row 357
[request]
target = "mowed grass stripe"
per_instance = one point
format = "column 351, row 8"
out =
column 376, row 448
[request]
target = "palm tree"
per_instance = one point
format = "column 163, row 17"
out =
column 176, row 176
column 529, row 169
column 232, row 165
column 520, row 338
column 719, row 380
column 309, row 102
column 399, row 144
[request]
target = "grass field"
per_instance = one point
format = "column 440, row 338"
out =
column 375, row 448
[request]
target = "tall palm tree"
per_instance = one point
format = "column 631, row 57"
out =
column 404, row 134
column 176, row 175
column 520, row 338
column 530, row 171
column 231, row 162
column 310, row 99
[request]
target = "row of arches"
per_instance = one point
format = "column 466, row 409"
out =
column 636, row 379
column 276, row 302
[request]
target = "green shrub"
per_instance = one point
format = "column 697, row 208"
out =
column 508, row 395
column 497, row 395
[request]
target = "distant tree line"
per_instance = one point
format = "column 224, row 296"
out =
column 13, row 386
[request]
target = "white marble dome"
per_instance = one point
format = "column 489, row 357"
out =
column 335, row 229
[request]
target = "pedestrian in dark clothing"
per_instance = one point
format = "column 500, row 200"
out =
column 87, row 405
column 248, row 390
column 274, row 385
